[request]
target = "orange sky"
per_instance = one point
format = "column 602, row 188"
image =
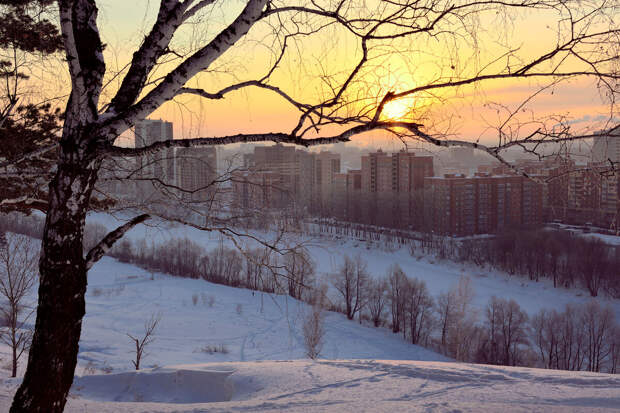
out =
column 123, row 23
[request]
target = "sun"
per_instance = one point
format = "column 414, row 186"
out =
column 397, row 109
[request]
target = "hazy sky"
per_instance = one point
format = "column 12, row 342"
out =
column 471, row 112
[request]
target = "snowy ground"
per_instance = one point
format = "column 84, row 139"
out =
column 255, row 329
column 196, row 315
column 342, row 386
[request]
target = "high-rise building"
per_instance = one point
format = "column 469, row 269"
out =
column 481, row 204
column 606, row 149
column 399, row 172
column 195, row 173
column 153, row 171
column 392, row 185
column 256, row 190
column 302, row 177
column 606, row 160
column 377, row 172
column 327, row 167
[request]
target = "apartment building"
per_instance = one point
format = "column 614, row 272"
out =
column 157, row 170
column 302, row 177
column 459, row 205
column 391, row 186
column 196, row 173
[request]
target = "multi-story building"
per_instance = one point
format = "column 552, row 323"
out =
column 327, row 167
column 462, row 205
column 303, row 178
column 161, row 163
column 156, row 170
column 377, row 172
column 257, row 190
column 196, row 172
column 282, row 168
column 606, row 149
column 606, row 161
column 399, row 172
column 391, row 187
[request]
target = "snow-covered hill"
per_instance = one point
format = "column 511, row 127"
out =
column 439, row 275
column 362, row 368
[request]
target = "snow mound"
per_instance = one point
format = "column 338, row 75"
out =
column 169, row 385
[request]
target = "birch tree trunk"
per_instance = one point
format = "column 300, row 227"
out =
column 53, row 354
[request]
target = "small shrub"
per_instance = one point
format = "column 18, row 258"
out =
column 207, row 300
column 212, row 349
column 313, row 331
column 106, row 368
column 90, row 369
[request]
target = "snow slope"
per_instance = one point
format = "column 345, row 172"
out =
column 250, row 325
column 439, row 275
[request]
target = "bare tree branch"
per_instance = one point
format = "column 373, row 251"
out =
column 106, row 243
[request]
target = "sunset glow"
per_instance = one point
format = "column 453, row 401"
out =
column 398, row 109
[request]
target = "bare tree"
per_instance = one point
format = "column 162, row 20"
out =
column 546, row 337
column 571, row 348
column 591, row 264
column 614, row 350
column 351, row 281
column 314, row 330
column 299, row 269
column 142, row 341
column 506, row 332
column 419, row 311
column 598, row 326
column 446, row 311
column 18, row 273
column 377, row 300
column 457, row 320
column 397, row 288
column 313, row 327
column 348, row 101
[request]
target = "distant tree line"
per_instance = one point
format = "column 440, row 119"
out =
column 567, row 259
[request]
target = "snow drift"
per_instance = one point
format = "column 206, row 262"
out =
column 169, row 385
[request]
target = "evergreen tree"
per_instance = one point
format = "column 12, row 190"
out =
column 25, row 126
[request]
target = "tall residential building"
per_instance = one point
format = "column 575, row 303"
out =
column 302, row 177
column 353, row 196
column 462, row 154
column 156, row 169
column 399, row 172
column 256, row 191
column 606, row 149
column 195, row 172
column 327, row 166
column 377, row 172
column 482, row 204
column 606, row 159
column 391, row 187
